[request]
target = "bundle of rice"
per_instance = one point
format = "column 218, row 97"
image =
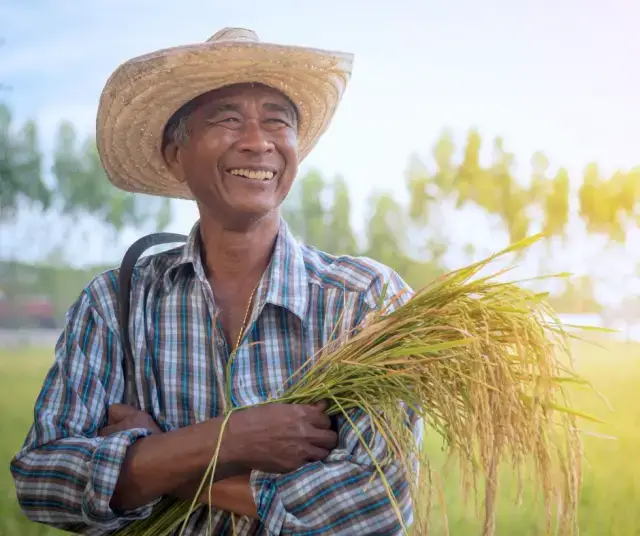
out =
column 483, row 362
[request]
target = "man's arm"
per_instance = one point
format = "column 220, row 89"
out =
column 66, row 475
column 342, row 494
column 230, row 494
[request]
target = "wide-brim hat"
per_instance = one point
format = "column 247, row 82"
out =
column 144, row 92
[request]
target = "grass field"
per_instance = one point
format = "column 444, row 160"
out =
column 610, row 502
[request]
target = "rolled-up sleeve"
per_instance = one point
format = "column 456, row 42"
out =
column 344, row 494
column 65, row 474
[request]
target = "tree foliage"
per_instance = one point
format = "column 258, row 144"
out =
column 76, row 186
column 20, row 167
column 83, row 188
column 319, row 210
column 610, row 206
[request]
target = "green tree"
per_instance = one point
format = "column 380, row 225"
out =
column 386, row 241
column 339, row 237
column 550, row 195
column 501, row 194
column 304, row 210
column 610, row 206
column 470, row 171
column 385, row 230
column 83, row 189
column 495, row 189
column 328, row 228
column 20, row 168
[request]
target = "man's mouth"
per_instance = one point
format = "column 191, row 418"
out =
column 255, row 174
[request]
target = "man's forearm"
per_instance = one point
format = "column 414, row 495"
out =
column 231, row 495
column 161, row 463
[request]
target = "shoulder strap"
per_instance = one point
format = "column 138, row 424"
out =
column 124, row 286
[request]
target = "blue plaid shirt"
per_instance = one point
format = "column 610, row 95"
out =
column 65, row 473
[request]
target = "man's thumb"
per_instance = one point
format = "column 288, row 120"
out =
column 120, row 412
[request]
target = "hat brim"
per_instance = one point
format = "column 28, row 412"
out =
column 143, row 93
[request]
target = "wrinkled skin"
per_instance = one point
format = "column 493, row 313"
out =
column 276, row 438
column 243, row 126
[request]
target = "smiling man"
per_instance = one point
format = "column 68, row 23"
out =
column 222, row 321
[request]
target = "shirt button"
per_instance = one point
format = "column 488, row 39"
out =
column 220, row 343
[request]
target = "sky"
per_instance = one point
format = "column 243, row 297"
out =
column 562, row 77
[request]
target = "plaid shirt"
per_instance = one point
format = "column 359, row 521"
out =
column 65, row 473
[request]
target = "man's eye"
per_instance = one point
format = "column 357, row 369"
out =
column 276, row 120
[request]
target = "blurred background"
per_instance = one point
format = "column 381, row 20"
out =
column 466, row 126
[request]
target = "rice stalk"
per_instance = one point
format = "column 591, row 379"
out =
column 484, row 363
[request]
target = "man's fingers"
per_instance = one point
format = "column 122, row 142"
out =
column 316, row 454
column 322, row 405
column 120, row 412
column 326, row 439
column 141, row 420
column 108, row 430
column 318, row 418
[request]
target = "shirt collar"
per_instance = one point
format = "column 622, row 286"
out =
column 284, row 283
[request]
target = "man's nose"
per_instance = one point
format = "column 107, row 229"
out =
column 254, row 139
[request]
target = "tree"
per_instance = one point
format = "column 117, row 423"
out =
column 386, row 241
column 510, row 198
column 550, row 195
column 20, row 168
column 328, row 229
column 385, row 231
column 304, row 209
column 77, row 190
column 84, row 190
column 469, row 172
column 339, row 236
column 610, row 206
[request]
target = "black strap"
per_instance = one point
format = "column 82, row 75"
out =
column 124, row 289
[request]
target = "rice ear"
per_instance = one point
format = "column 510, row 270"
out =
column 481, row 362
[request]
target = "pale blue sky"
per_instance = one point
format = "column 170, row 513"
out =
column 562, row 77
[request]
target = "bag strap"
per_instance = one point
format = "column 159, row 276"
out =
column 124, row 289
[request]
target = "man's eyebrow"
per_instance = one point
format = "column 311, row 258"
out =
column 217, row 107
column 274, row 107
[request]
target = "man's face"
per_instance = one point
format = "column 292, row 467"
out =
column 241, row 154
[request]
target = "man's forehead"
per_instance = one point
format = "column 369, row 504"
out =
column 231, row 96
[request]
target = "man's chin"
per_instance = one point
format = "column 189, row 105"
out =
column 242, row 214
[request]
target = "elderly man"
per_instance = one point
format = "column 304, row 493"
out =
column 225, row 123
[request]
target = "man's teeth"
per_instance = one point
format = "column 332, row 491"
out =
column 253, row 174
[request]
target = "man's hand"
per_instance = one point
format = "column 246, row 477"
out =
column 276, row 438
column 121, row 417
column 279, row 438
column 232, row 494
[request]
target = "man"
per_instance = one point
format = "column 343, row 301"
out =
column 221, row 322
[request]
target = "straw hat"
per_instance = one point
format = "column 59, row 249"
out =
column 143, row 93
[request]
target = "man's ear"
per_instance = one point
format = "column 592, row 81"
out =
column 173, row 157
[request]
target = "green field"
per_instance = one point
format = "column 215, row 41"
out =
column 610, row 502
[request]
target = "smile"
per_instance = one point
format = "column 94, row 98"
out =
column 255, row 174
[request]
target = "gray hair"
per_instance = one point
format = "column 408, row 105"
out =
column 177, row 130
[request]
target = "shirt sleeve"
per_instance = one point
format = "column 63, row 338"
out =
column 343, row 494
column 65, row 474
